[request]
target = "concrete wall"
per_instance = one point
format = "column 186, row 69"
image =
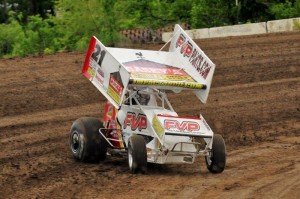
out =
column 282, row 25
column 194, row 34
column 166, row 36
column 238, row 30
column 198, row 33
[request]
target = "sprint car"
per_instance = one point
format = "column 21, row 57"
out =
column 139, row 121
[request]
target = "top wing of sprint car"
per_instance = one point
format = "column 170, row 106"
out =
column 114, row 71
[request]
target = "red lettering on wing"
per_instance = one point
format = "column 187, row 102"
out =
column 181, row 39
column 195, row 57
column 186, row 49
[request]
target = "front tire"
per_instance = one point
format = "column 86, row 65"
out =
column 216, row 159
column 86, row 143
column 137, row 154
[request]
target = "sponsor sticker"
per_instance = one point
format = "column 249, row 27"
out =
column 162, row 77
column 195, row 56
column 191, row 85
column 157, row 70
column 91, row 72
column 115, row 89
column 99, row 76
column 93, row 64
column 157, row 127
column 181, row 126
column 135, row 122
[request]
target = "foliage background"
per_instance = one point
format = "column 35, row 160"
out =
column 47, row 26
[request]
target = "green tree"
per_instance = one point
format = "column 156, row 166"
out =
column 8, row 34
column 210, row 13
column 27, row 8
column 37, row 36
column 79, row 20
column 37, row 26
column 287, row 9
column 152, row 13
column 253, row 11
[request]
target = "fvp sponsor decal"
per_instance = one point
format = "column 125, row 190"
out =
column 184, row 126
column 135, row 122
column 195, row 57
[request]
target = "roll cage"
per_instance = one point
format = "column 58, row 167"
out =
column 158, row 98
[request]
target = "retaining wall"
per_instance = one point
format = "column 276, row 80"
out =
column 282, row 25
column 238, row 30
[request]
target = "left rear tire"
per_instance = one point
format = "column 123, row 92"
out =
column 86, row 143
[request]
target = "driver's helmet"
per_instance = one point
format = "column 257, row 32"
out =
column 143, row 98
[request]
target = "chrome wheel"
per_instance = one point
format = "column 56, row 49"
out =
column 208, row 158
column 130, row 158
column 137, row 154
column 75, row 143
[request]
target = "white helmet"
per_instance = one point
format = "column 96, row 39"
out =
column 143, row 98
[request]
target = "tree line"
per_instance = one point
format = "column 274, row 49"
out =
column 47, row 26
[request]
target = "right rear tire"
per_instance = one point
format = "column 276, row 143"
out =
column 216, row 159
column 137, row 154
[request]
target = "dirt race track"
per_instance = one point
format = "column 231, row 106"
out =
column 254, row 104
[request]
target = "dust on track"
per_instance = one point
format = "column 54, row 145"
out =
column 254, row 104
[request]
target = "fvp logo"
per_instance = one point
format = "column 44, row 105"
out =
column 135, row 122
column 184, row 126
column 186, row 48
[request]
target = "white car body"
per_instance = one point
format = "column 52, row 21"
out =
column 122, row 75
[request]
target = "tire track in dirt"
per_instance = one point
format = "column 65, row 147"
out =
column 50, row 115
column 276, row 101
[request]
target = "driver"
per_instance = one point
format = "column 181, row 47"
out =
column 143, row 98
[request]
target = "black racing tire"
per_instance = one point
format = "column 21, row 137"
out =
column 86, row 143
column 137, row 154
column 216, row 159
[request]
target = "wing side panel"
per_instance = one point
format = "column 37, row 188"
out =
column 106, row 73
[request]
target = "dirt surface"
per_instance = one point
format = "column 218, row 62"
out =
column 254, row 104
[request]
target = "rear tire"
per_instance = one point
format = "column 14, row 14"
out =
column 86, row 143
column 216, row 159
column 137, row 154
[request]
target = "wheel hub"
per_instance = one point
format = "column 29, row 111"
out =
column 130, row 159
column 75, row 141
column 208, row 158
